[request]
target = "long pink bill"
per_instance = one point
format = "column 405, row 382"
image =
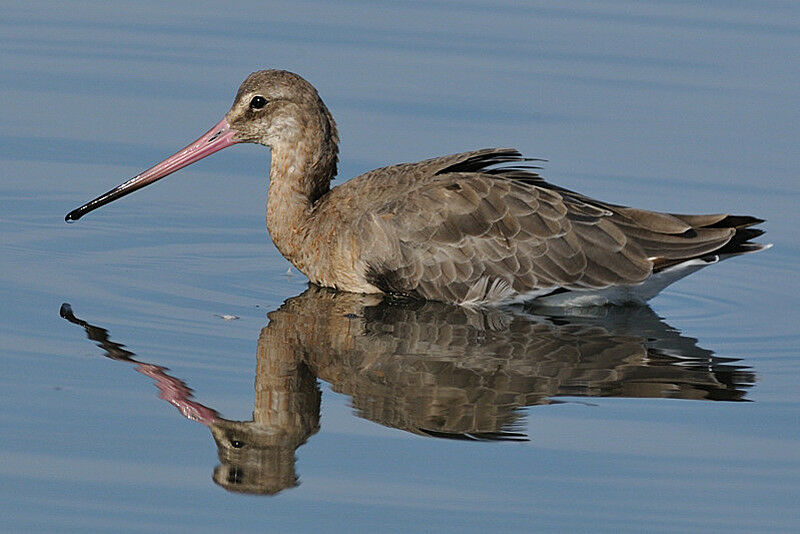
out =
column 217, row 138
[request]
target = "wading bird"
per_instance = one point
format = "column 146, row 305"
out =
column 479, row 227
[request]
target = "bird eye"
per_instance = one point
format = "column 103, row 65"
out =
column 258, row 102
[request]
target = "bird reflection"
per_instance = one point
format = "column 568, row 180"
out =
column 435, row 370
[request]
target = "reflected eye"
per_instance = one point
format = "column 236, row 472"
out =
column 236, row 444
column 258, row 102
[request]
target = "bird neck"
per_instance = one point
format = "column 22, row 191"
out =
column 300, row 175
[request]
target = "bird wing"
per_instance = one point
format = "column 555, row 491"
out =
column 463, row 231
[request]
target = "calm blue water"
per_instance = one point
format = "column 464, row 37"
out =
column 662, row 105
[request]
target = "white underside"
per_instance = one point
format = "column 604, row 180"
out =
column 633, row 293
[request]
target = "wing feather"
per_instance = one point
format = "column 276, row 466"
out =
column 455, row 230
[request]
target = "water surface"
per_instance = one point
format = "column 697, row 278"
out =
column 361, row 415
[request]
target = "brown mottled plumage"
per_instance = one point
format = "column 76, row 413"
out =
column 477, row 227
column 433, row 369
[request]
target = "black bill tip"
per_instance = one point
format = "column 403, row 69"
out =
column 76, row 214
